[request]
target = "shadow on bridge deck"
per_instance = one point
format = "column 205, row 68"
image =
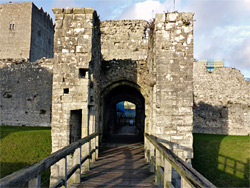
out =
column 120, row 140
column 121, row 164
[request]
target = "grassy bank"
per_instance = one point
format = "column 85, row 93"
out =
column 23, row 146
column 224, row 160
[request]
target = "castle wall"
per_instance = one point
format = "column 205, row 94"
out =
column 124, row 46
column 221, row 101
column 15, row 37
column 77, row 56
column 124, row 39
column 42, row 35
column 171, row 66
column 25, row 92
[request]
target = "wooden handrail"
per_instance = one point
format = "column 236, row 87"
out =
column 22, row 176
column 194, row 178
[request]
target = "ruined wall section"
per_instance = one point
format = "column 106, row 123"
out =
column 124, row 39
column 25, row 92
column 124, row 46
column 15, row 38
column 73, row 76
column 71, row 81
column 42, row 35
column 221, row 101
column 172, row 65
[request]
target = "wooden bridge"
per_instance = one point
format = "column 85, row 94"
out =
column 130, row 165
column 120, row 166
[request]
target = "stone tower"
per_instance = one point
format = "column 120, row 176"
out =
column 25, row 32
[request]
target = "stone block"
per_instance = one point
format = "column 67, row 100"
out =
column 59, row 16
column 58, row 24
column 172, row 17
column 79, row 10
column 68, row 10
column 58, row 10
column 89, row 10
column 160, row 17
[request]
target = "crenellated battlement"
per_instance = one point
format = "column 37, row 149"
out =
column 26, row 31
column 43, row 16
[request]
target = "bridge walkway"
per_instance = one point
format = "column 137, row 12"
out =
column 119, row 165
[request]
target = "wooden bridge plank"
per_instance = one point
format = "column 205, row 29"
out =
column 122, row 166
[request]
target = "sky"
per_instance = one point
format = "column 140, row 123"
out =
column 221, row 27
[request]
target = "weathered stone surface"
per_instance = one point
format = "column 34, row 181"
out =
column 171, row 63
column 221, row 101
column 26, row 92
column 26, row 32
column 57, row 10
column 124, row 39
column 98, row 64
column 77, row 50
column 79, row 11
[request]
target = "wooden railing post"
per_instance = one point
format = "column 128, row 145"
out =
column 184, row 183
column 76, row 177
column 151, row 155
column 36, row 182
column 146, row 149
column 96, row 147
column 157, row 165
column 80, row 163
column 89, row 150
column 167, row 173
column 93, row 146
column 65, row 177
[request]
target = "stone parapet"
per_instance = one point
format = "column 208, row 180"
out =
column 124, row 39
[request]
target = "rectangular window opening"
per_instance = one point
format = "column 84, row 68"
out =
column 75, row 125
column 82, row 73
column 12, row 26
column 66, row 90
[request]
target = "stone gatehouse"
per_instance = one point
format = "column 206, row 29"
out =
column 98, row 64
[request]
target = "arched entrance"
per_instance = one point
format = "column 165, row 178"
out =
column 118, row 125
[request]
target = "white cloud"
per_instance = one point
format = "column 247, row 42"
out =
column 222, row 31
column 145, row 10
column 240, row 55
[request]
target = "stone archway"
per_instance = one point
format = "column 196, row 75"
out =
column 117, row 92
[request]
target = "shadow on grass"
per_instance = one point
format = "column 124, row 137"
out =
column 222, row 159
column 221, row 170
column 6, row 130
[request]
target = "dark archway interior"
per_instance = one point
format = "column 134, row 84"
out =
column 113, row 129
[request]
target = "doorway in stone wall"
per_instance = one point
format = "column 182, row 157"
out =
column 123, row 114
column 125, row 119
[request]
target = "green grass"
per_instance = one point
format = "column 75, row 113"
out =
column 23, row 146
column 224, row 160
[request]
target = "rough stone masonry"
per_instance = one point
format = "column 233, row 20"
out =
column 97, row 64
